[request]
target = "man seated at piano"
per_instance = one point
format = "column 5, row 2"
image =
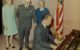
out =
column 41, row 35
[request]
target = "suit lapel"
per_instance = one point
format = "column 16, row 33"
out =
column 43, row 28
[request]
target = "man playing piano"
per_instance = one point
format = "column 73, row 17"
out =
column 41, row 35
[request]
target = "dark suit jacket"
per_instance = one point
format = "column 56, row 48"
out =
column 25, row 16
column 40, row 41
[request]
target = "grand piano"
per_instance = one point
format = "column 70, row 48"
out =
column 71, row 42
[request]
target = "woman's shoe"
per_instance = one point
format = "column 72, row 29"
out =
column 11, row 46
column 7, row 48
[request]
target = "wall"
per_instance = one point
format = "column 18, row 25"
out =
column 71, row 15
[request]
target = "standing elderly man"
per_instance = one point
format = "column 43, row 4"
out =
column 25, row 14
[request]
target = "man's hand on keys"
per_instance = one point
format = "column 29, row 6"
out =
column 53, row 46
column 57, row 41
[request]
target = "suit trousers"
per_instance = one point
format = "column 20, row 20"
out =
column 24, row 35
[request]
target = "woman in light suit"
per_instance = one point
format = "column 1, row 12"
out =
column 9, row 23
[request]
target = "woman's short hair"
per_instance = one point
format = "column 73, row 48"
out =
column 41, row 1
column 5, row 1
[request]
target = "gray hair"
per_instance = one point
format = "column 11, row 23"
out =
column 41, row 1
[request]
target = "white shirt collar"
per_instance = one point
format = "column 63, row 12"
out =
column 44, row 24
column 41, row 9
column 26, row 5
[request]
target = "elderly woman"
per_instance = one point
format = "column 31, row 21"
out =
column 9, row 23
column 40, row 11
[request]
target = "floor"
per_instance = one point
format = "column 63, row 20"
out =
column 3, row 45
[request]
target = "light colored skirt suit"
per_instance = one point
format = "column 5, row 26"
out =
column 9, row 21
